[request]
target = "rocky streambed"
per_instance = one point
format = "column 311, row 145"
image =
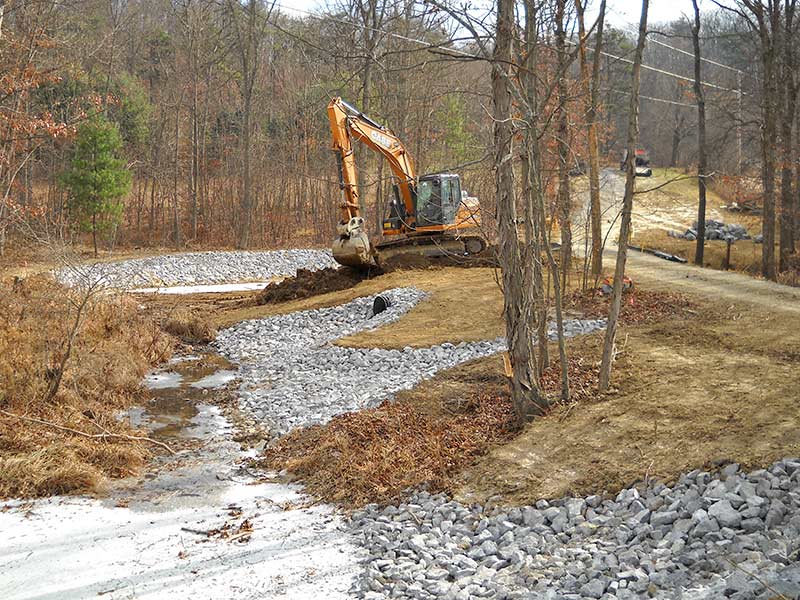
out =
column 730, row 534
column 293, row 375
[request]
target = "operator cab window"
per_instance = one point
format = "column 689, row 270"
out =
column 429, row 202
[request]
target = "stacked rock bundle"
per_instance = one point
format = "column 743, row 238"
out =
column 715, row 230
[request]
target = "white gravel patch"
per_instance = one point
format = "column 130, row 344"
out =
column 197, row 268
column 218, row 288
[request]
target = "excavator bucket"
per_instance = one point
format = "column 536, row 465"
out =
column 354, row 251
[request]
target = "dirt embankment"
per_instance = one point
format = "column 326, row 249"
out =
column 690, row 391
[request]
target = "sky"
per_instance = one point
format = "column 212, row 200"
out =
column 620, row 12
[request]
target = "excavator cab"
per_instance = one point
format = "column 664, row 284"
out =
column 437, row 198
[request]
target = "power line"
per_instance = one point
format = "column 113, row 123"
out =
column 663, row 100
column 707, row 60
column 632, row 28
column 429, row 46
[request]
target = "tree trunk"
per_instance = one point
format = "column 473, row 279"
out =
column 535, row 221
column 564, row 198
column 789, row 81
column 627, row 207
column 594, row 150
column 176, row 223
column 94, row 233
column 518, row 304
column 769, row 131
column 701, row 141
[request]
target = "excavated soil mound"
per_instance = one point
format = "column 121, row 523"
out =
column 310, row 283
column 488, row 258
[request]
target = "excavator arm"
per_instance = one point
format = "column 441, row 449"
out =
column 347, row 123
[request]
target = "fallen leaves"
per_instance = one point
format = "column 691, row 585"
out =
column 375, row 454
column 638, row 306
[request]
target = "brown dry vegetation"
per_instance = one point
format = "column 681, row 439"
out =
column 745, row 254
column 638, row 306
column 423, row 438
column 115, row 346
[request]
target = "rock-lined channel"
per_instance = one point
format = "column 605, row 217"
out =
column 658, row 541
column 193, row 268
column 730, row 534
column 293, row 376
column 709, row 536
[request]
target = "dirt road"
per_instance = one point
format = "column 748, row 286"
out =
column 662, row 274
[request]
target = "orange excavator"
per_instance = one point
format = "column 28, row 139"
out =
column 428, row 215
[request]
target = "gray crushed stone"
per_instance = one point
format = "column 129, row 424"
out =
column 197, row 268
column 720, row 535
column 715, row 230
column 294, row 376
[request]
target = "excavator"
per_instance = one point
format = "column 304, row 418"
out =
column 429, row 215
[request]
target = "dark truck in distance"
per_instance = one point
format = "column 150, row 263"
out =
column 641, row 165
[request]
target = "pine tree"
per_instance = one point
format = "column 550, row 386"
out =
column 97, row 178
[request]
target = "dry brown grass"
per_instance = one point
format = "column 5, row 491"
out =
column 115, row 346
column 189, row 326
column 745, row 254
column 374, row 454
column 689, row 390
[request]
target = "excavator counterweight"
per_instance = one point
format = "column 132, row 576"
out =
column 429, row 214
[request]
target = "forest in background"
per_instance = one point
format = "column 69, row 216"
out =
column 220, row 106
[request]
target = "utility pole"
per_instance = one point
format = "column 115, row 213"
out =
column 739, row 123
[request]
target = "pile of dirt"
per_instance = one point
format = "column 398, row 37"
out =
column 308, row 283
column 487, row 258
column 638, row 306
column 311, row 283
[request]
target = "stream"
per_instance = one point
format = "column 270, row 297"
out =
column 196, row 525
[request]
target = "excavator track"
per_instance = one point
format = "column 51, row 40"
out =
column 431, row 246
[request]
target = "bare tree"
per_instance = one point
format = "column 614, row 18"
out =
column 627, row 206
column 592, row 87
column 564, row 198
column 519, row 304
